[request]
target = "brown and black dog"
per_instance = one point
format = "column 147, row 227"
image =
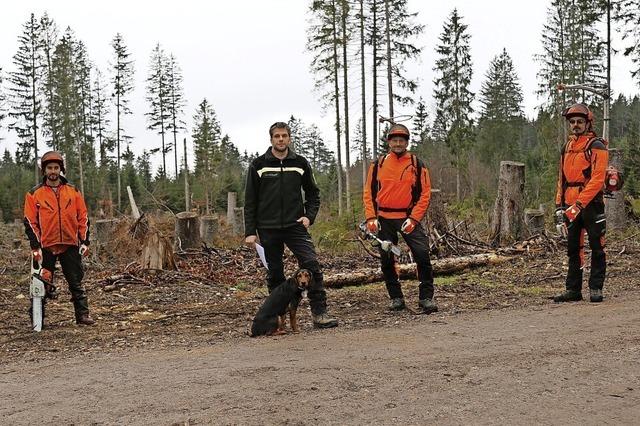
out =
column 271, row 316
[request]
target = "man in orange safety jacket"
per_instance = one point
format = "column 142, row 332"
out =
column 580, row 202
column 396, row 197
column 57, row 225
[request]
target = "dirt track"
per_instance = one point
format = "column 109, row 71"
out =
column 548, row 364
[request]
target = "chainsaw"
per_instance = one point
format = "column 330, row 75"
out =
column 39, row 290
column 385, row 245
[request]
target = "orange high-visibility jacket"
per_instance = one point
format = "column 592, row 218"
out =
column 583, row 177
column 396, row 178
column 54, row 218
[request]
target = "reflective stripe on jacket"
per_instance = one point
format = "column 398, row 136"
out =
column 55, row 217
column 395, row 181
column 584, row 174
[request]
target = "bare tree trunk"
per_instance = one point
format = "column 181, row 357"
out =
column 232, row 200
column 337, row 100
column 615, row 210
column 345, row 80
column 187, row 197
column 375, row 80
column 389, row 68
column 363, row 96
column 508, row 214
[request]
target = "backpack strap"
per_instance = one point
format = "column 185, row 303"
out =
column 374, row 180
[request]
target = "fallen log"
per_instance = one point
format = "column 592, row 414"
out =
column 408, row 271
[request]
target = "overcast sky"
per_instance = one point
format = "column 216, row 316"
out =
column 247, row 57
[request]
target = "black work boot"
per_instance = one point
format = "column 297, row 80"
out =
column 568, row 296
column 397, row 304
column 595, row 295
column 323, row 320
column 428, row 306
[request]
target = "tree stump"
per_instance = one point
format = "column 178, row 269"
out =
column 157, row 253
column 508, row 213
column 534, row 219
column 238, row 220
column 232, row 199
column 614, row 207
column 208, row 228
column 187, row 230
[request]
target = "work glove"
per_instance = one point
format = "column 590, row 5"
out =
column 37, row 255
column 408, row 226
column 373, row 226
column 83, row 250
column 561, row 226
column 572, row 212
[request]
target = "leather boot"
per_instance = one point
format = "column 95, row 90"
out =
column 85, row 319
column 397, row 304
column 595, row 295
column 323, row 320
column 428, row 306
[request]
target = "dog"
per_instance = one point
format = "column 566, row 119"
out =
column 271, row 317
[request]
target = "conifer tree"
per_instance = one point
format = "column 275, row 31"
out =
column 453, row 122
column 323, row 41
column 48, row 41
column 421, row 128
column 501, row 114
column 627, row 13
column 176, row 104
column 122, row 81
column 206, row 141
column 26, row 106
column 3, row 106
column 100, row 120
column 158, row 93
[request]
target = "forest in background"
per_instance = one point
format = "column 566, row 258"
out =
column 52, row 97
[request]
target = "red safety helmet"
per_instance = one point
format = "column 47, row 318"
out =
column 580, row 110
column 398, row 130
column 50, row 156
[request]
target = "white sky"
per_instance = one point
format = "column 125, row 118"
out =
column 248, row 58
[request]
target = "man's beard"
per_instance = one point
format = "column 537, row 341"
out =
column 53, row 177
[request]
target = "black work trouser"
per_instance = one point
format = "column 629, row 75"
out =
column 418, row 243
column 71, row 263
column 592, row 219
column 299, row 241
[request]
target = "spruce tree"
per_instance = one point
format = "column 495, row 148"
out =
column 501, row 114
column 176, row 103
column 323, row 41
column 3, row 106
column 48, row 41
column 24, row 85
column 453, row 121
column 122, row 85
column 421, row 128
column 627, row 13
column 158, row 93
column 100, row 120
column 206, row 141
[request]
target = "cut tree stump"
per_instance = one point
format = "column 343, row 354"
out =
column 534, row 219
column 614, row 207
column 238, row 220
column 232, row 198
column 157, row 253
column 187, row 230
column 208, row 228
column 508, row 214
column 408, row 271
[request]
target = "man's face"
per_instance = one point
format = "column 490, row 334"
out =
column 578, row 125
column 398, row 144
column 280, row 140
column 52, row 171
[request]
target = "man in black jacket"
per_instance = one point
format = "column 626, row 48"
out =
column 275, row 210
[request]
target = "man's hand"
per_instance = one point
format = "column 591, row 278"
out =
column 305, row 221
column 572, row 212
column 83, row 250
column 373, row 226
column 250, row 240
column 408, row 226
column 37, row 255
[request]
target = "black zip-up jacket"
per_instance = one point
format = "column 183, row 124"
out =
column 273, row 197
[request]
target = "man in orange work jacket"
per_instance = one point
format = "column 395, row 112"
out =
column 56, row 222
column 580, row 201
column 396, row 197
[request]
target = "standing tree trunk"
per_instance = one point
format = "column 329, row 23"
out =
column 344, row 9
column 508, row 214
column 336, row 95
column 363, row 96
column 614, row 207
column 389, row 67
column 187, row 197
column 374, row 91
column 232, row 199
